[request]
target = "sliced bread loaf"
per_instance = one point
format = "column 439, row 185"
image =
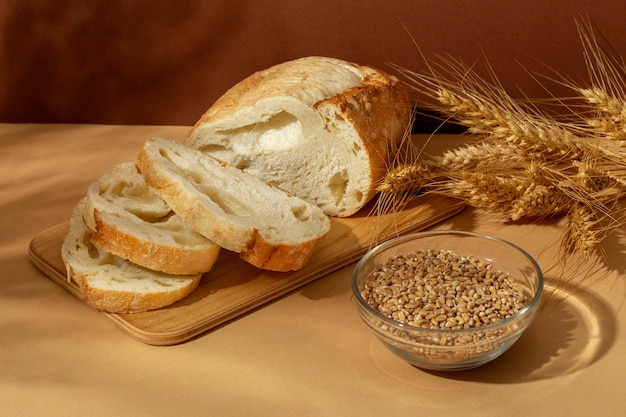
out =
column 321, row 128
column 112, row 284
column 268, row 227
column 131, row 221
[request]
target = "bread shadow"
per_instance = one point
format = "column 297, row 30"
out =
column 238, row 282
column 234, row 288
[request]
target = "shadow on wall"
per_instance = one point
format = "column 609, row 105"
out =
column 166, row 62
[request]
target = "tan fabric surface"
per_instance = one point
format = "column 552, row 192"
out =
column 306, row 354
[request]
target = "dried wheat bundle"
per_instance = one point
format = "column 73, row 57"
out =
column 521, row 161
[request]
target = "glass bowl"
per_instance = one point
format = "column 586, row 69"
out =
column 462, row 302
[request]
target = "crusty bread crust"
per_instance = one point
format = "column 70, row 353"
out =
column 151, row 254
column 268, row 227
column 277, row 257
column 351, row 118
column 306, row 80
column 116, row 300
column 380, row 113
column 112, row 284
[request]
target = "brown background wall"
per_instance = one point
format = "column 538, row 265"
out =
column 165, row 62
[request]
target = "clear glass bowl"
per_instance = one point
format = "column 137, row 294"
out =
column 452, row 349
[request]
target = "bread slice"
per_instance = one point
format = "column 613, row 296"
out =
column 268, row 227
column 321, row 128
column 131, row 221
column 112, row 284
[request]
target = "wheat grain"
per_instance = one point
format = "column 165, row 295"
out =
column 405, row 178
column 483, row 190
column 592, row 177
column 604, row 102
column 478, row 115
column 482, row 155
column 582, row 235
column 440, row 289
column 540, row 201
column 609, row 114
column 609, row 129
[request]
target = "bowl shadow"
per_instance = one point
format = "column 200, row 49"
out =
column 573, row 330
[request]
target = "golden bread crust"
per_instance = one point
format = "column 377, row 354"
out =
column 331, row 104
column 177, row 260
column 258, row 225
column 115, row 285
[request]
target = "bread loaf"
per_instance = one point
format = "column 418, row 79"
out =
column 268, row 227
column 129, row 220
column 321, row 128
column 112, row 284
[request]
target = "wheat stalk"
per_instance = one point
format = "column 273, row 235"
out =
column 540, row 201
column 521, row 161
column 582, row 235
column 404, row 178
column 481, row 155
column 511, row 123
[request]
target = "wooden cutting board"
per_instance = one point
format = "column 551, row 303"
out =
column 233, row 287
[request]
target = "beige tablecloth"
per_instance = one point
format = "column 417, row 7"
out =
column 306, row 354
